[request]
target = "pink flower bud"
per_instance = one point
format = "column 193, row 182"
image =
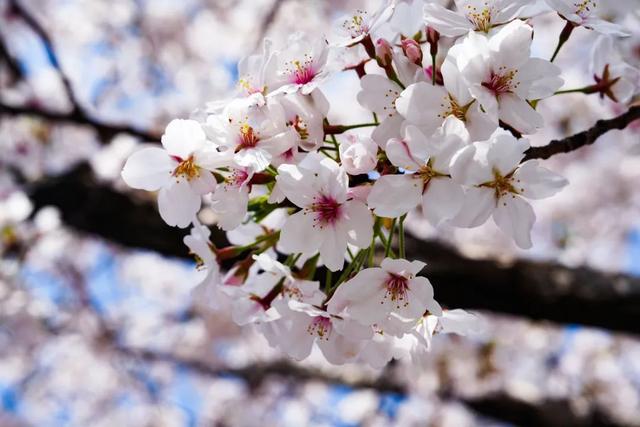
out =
column 412, row 50
column 358, row 154
column 384, row 52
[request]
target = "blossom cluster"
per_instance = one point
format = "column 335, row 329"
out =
column 309, row 206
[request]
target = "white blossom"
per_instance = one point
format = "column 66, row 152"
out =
column 500, row 185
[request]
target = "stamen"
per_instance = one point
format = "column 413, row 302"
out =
column 186, row 168
column 397, row 287
column 320, row 327
column 327, row 210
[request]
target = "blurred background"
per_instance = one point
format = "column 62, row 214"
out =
column 97, row 327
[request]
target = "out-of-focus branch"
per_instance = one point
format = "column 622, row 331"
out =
column 537, row 290
column 503, row 407
column 105, row 130
column 89, row 206
column 15, row 71
column 19, row 10
column 78, row 114
column 585, row 138
column 534, row 289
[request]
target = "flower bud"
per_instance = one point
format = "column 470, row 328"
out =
column 358, row 154
column 412, row 50
column 384, row 52
column 433, row 37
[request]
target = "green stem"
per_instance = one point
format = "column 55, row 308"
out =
column 578, row 90
column 387, row 249
column 401, row 251
column 433, row 69
column 327, row 280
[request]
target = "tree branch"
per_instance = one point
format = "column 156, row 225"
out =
column 537, row 290
column 585, row 138
column 105, row 131
column 78, row 114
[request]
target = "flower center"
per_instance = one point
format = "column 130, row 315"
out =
column 327, row 210
column 238, row 177
column 426, row 173
column 187, row 168
column 397, row 287
column 481, row 19
column 301, row 127
column 502, row 82
column 502, row 185
column 584, row 8
column 320, row 327
column 248, row 138
column 246, row 85
column 450, row 107
column 302, row 72
column 357, row 25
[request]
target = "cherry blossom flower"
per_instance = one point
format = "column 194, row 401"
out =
column 418, row 341
column 352, row 29
column 253, row 302
column 500, row 185
column 472, row 15
column 374, row 294
column 583, row 13
column 209, row 290
column 180, row 170
column 230, row 199
column 306, row 114
column 614, row 77
column 502, row 76
column 328, row 219
column 379, row 94
column 427, row 181
column 253, row 130
column 252, row 69
column 300, row 66
column 427, row 106
column 339, row 339
column 358, row 154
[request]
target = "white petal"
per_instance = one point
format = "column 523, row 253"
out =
column 230, row 206
column 203, row 184
column 399, row 155
column 535, row 182
column 402, row 267
column 519, row 114
column 421, row 104
column 299, row 234
column 387, row 129
column 148, row 169
column 178, row 204
column 543, row 78
column 445, row 21
column 334, row 246
column 479, row 204
column 183, row 137
column 505, row 152
column 358, row 222
column 511, row 46
column 465, row 168
column 254, row 158
column 395, row 195
column 442, row 200
column 515, row 217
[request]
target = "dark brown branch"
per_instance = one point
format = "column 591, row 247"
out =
column 585, row 138
column 77, row 115
column 16, row 8
column 105, row 131
column 537, row 290
column 15, row 72
column 503, row 407
column 534, row 289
